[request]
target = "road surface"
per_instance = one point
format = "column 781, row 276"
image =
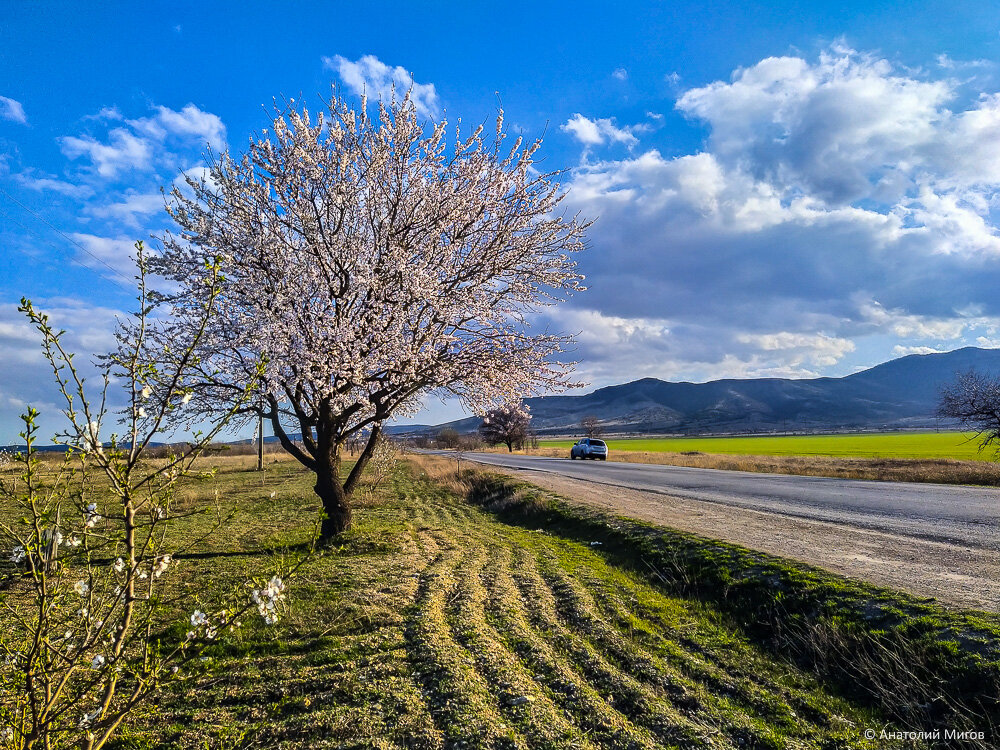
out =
column 967, row 516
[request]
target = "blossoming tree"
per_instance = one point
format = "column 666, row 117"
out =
column 507, row 424
column 369, row 260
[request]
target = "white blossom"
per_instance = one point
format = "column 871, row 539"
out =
column 90, row 440
column 88, row 718
column 198, row 618
column 18, row 554
column 119, row 565
column 91, row 516
column 268, row 599
column 81, row 587
column 161, row 565
column 186, row 398
column 73, row 541
column 146, row 392
column 97, row 662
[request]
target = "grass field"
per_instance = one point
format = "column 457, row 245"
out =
column 955, row 445
column 435, row 625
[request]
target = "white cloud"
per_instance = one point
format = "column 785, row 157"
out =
column 26, row 377
column 132, row 209
column 106, row 253
column 13, row 110
column 596, row 132
column 140, row 145
column 188, row 122
column 817, row 350
column 42, row 182
column 910, row 326
column 903, row 351
column 620, row 73
column 369, row 75
column 124, row 151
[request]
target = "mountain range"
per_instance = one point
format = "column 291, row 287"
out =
column 898, row 394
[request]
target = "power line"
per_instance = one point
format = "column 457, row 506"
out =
column 69, row 239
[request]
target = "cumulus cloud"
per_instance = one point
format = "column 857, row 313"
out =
column 597, row 132
column 188, row 122
column 369, row 75
column 620, row 73
column 13, row 110
column 140, row 145
column 132, row 209
column 40, row 182
column 25, row 376
column 123, row 151
column 110, row 256
column 835, row 201
column 903, row 351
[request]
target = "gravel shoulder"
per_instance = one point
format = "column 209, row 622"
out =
column 954, row 574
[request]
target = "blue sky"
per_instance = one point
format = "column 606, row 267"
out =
column 781, row 188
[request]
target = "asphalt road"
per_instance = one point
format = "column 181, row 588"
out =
column 946, row 513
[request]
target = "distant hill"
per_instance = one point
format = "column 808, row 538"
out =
column 900, row 393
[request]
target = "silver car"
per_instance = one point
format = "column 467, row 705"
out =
column 589, row 448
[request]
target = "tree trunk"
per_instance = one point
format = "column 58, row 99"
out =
column 510, row 447
column 336, row 507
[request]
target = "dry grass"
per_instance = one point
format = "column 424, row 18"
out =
column 939, row 470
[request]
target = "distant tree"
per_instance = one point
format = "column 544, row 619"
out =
column 368, row 259
column 974, row 400
column 591, row 426
column 508, row 425
column 449, row 438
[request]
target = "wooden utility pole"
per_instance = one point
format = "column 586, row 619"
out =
column 260, row 442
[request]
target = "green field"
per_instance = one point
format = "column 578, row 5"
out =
column 957, row 445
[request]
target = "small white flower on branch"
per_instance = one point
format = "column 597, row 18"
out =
column 90, row 440
column 73, row 541
column 146, row 392
column 198, row 618
column 88, row 719
column 91, row 516
column 18, row 554
column 187, row 397
column 97, row 662
column 161, row 565
column 119, row 565
column 141, row 413
column 81, row 587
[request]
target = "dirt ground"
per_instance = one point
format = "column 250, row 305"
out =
column 955, row 575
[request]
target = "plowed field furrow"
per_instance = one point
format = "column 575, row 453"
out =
column 529, row 705
column 458, row 697
column 581, row 702
column 644, row 704
column 737, row 706
column 653, row 621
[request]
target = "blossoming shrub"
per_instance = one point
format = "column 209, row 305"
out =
column 85, row 600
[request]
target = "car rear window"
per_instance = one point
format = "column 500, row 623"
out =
column 599, row 443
